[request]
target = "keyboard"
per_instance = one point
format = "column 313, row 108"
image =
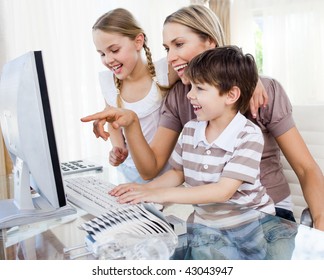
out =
column 76, row 166
column 114, row 219
column 90, row 193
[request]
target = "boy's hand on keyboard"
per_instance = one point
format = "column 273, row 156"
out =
column 117, row 156
column 140, row 193
column 124, row 188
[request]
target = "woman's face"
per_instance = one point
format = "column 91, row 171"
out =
column 182, row 44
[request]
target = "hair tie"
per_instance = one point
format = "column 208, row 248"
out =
column 155, row 80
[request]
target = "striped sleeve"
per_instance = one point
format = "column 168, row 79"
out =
column 245, row 161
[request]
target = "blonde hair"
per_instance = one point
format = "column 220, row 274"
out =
column 121, row 21
column 201, row 20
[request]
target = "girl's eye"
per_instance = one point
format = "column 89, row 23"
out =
column 179, row 45
column 114, row 51
column 166, row 49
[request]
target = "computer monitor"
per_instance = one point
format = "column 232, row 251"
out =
column 28, row 132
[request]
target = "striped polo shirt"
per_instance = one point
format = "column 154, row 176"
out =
column 235, row 154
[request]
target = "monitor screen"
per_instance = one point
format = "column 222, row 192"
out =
column 27, row 127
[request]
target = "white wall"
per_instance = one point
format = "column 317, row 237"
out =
column 293, row 43
column 62, row 30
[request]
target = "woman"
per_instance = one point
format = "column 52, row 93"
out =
column 186, row 33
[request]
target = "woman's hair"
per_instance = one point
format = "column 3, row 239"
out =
column 121, row 21
column 226, row 67
column 201, row 20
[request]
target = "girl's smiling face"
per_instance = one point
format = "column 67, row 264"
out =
column 118, row 53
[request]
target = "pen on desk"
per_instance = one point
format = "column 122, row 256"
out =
column 66, row 250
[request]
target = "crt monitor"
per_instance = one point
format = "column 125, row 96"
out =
column 28, row 132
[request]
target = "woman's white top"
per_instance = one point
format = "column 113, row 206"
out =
column 147, row 109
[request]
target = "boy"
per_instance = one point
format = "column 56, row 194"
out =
column 218, row 154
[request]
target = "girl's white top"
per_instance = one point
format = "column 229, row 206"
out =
column 147, row 109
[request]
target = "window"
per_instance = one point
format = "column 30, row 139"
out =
column 287, row 39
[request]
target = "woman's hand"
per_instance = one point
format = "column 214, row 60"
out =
column 259, row 98
column 118, row 117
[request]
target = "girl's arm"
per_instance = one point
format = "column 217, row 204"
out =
column 116, row 136
column 119, row 152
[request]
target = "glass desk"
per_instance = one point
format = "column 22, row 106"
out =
column 263, row 237
column 255, row 236
column 266, row 237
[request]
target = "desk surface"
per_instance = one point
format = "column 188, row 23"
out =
column 267, row 237
column 262, row 237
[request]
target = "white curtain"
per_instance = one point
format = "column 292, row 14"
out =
column 62, row 30
column 292, row 40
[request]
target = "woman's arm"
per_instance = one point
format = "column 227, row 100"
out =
column 308, row 172
column 149, row 160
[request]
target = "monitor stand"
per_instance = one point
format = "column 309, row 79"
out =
column 11, row 216
column 27, row 206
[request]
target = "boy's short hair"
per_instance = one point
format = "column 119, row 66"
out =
column 225, row 67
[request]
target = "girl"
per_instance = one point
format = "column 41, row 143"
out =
column 132, row 83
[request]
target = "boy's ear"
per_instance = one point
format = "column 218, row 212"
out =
column 139, row 41
column 233, row 95
column 211, row 44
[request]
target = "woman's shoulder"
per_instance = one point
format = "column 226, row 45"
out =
column 179, row 91
column 176, row 98
column 277, row 96
column 271, row 85
column 277, row 115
